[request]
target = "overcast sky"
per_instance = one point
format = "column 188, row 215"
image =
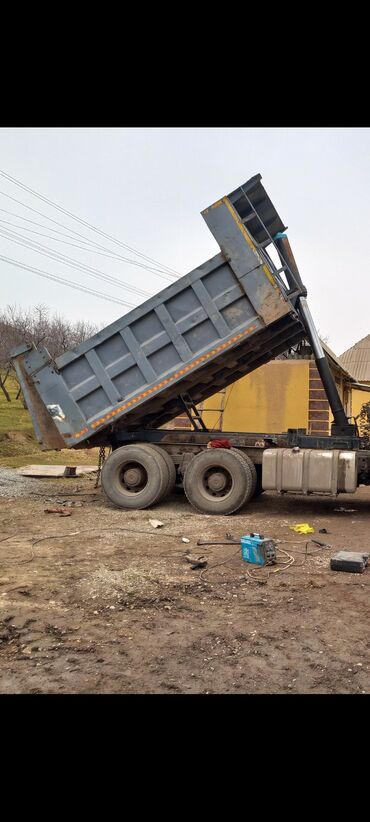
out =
column 147, row 186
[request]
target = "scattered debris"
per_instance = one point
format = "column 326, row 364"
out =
column 196, row 562
column 61, row 511
column 302, row 528
column 185, row 539
column 156, row 523
column 354, row 562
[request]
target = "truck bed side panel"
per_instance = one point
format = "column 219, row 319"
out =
column 207, row 329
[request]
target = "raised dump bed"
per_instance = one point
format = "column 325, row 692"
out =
column 207, row 329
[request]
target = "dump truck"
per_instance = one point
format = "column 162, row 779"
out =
column 203, row 332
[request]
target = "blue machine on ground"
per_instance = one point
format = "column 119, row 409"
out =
column 258, row 549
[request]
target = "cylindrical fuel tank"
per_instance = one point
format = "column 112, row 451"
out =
column 309, row 471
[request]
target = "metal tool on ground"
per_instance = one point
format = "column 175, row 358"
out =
column 353, row 562
column 218, row 542
column 321, row 544
column 258, row 549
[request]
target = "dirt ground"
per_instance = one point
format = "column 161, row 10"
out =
column 88, row 608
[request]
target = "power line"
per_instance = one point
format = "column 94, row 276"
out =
column 111, row 255
column 84, row 222
column 86, row 240
column 13, row 237
column 70, row 283
column 158, row 273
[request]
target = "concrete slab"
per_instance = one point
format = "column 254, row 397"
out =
column 54, row 470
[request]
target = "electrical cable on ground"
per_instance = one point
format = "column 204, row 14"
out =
column 216, row 564
column 253, row 573
column 291, row 560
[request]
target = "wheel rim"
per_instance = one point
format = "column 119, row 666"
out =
column 132, row 477
column 217, row 482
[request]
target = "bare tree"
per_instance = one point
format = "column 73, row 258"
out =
column 36, row 325
column 3, row 380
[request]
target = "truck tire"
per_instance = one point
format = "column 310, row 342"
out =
column 251, row 467
column 170, row 465
column 134, row 477
column 217, row 481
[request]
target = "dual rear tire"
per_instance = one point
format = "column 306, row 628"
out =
column 138, row 476
column 217, row 480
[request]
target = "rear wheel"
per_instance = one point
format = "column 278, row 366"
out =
column 135, row 477
column 170, row 465
column 217, row 481
column 251, row 467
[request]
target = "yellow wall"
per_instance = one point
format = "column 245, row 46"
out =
column 271, row 399
column 346, row 393
column 358, row 400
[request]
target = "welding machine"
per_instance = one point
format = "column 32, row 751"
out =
column 258, row 549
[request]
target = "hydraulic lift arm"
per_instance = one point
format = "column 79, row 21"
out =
column 257, row 212
column 341, row 426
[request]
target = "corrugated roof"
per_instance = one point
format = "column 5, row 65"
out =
column 357, row 359
column 339, row 363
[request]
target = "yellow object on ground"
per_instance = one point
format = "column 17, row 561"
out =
column 302, row 528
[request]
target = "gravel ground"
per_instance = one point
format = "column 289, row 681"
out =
column 13, row 485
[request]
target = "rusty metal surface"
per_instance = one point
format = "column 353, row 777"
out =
column 46, row 431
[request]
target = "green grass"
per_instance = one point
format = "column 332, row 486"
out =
column 18, row 444
column 12, row 414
